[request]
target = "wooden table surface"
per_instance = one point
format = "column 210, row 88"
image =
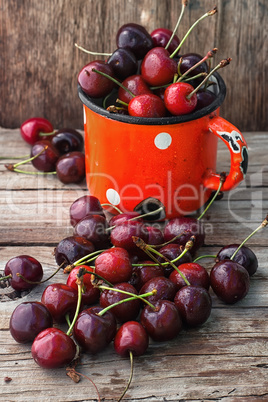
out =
column 226, row 359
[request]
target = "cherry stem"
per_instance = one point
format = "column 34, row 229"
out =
column 79, row 283
column 209, row 55
column 184, row 4
column 204, row 256
column 71, row 370
column 89, row 52
column 122, row 102
column 173, row 240
column 114, row 80
column 13, row 157
column 262, row 225
column 141, row 297
column 30, row 159
column 44, row 280
column 130, row 377
column 221, row 64
column 3, row 278
column 194, row 77
column 42, row 134
column 82, row 260
column 222, row 180
column 208, row 14
column 112, row 206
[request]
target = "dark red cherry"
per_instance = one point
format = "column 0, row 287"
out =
column 166, row 289
column 195, row 273
column 70, row 167
column 204, row 98
column 28, row 267
column 28, row 319
column 30, row 129
column 143, row 273
column 156, row 236
column 90, row 293
column 121, row 218
column 161, row 37
column 171, row 252
column 114, row 265
column 94, row 332
column 162, row 323
column 136, row 85
column 93, row 84
column 94, row 229
column 135, row 38
column 131, row 337
column 244, row 257
column 123, row 62
column 146, row 105
column 52, row 348
column 60, row 299
column 46, row 161
column 230, row 281
column 194, row 305
column 176, row 98
column 67, row 140
column 84, row 206
column 157, row 67
column 121, row 235
column 71, row 249
column 123, row 312
column 188, row 61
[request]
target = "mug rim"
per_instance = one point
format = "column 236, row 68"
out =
column 92, row 105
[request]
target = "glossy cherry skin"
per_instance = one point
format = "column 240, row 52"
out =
column 84, row 206
column 114, row 265
column 131, row 337
column 136, row 85
column 157, row 67
column 188, row 61
column 71, row 249
column 67, row 140
column 90, row 293
column 94, row 332
column 124, row 217
column 30, row 129
column 143, row 273
column 27, row 320
column 171, row 252
column 135, row 38
column 70, row 167
column 162, row 323
column 244, row 257
column 204, row 99
column 28, row 267
column 94, row 229
column 195, row 273
column 176, row 101
column 166, row 289
column 186, row 227
column 194, row 304
column 146, row 105
column 121, row 235
column 46, row 161
column 60, row 299
column 123, row 312
column 161, row 37
column 52, row 348
column 94, row 84
column 123, row 62
column 230, row 281
column 156, row 236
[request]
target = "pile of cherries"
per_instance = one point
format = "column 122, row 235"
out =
column 153, row 79
column 131, row 277
column 59, row 152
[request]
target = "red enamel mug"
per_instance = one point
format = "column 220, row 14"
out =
column 172, row 159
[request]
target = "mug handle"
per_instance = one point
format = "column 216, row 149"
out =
column 237, row 146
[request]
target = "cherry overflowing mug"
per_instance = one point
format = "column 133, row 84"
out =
column 171, row 159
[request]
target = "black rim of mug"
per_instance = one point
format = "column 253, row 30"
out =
column 95, row 106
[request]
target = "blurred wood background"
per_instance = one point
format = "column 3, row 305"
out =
column 39, row 63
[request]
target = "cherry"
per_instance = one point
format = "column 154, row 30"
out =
column 123, row 62
column 156, row 236
column 171, row 252
column 90, row 293
column 94, row 229
column 94, row 84
column 166, row 289
column 144, row 272
column 136, row 85
column 131, row 337
column 121, row 235
column 28, row 267
column 146, row 105
column 70, row 167
column 71, row 249
column 124, row 217
column 67, row 140
column 230, row 281
column 135, row 38
column 176, row 98
column 60, row 299
column 84, row 206
column 32, row 128
column 158, row 68
column 52, row 348
column 194, row 305
column 162, row 323
column 204, row 98
column 195, row 273
column 244, row 257
column 28, row 319
column 93, row 331
column 47, row 158
column 189, row 60
column 114, row 265
column 161, row 37
column 126, row 311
